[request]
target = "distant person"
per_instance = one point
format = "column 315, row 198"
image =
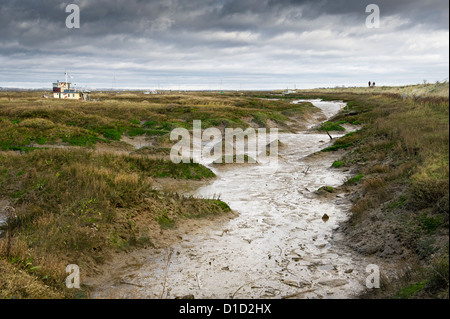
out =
column 373, row 84
column 370, row 84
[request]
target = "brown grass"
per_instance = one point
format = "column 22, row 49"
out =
column 403, row 152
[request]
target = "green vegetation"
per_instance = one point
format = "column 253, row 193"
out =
column 354, row 180
column 338, row 164
column 28, row 119
column 327, row 189
column 165, row 221
column 331, row 126
column 78, row 205
column 344, row 142
column 336, row 147
column 410, row 291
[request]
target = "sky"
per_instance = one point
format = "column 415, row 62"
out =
column 223, row 44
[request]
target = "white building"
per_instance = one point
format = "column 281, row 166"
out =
column 289, row 92
column 62, row 90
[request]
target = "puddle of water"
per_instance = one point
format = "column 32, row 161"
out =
column 278, row 247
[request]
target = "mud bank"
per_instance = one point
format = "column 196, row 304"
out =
column 278, row 246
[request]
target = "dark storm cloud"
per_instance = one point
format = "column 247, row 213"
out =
column 207, row 36
column 135, row 17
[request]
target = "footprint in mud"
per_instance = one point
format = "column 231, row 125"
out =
column 269, row 221
column 327, row 267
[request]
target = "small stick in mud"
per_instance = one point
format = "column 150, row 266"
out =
column 198, row 281
column 232, row 297
column 166, row 270
column 130, row 284
column 281, row 250
column 329, row 135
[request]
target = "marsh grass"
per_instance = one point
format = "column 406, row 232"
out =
column 331, row 126
column 402, row 159
column 429, row 90
column 78, row 205
column 28, row 119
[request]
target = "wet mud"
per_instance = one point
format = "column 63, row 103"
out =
column 283, row 243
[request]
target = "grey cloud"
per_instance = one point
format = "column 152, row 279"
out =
column 170, row 37
column 34, row 22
